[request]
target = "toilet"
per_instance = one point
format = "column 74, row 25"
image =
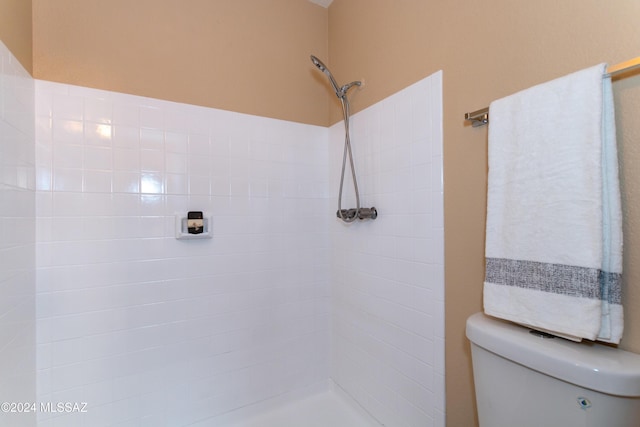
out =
column 525, row 378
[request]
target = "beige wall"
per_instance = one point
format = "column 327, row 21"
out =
column 15, row 30
column 490, row 49
column 252, row 56
column 241, row 55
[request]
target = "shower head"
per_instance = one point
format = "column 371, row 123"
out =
column 341, row 91
column 325, row 70
column 320, row 65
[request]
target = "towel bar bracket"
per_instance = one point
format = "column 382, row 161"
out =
column 478, row 118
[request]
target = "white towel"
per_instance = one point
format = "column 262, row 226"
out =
column 554, row 222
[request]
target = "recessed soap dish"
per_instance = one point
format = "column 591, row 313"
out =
column 182, row 229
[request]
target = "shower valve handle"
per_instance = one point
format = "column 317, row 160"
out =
column 363, row 213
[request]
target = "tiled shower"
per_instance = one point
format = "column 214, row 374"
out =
column 387, row 275
column 154, row 331
column 17, row 238
column 180, row 330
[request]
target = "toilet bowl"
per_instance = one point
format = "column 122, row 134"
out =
column 524, row 378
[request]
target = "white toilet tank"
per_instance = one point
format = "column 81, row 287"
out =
column 525, row 380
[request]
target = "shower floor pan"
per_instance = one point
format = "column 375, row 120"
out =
column 328, row 407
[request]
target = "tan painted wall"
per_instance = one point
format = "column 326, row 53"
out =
column 242, row 55
column 15, row 30
column 490, row 49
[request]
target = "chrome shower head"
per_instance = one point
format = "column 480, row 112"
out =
column 325, row 70
column 319, row 64
column 341, row 91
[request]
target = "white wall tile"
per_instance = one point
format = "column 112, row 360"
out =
column 388, row 321
column 244, row 316
column 17, row 238
column 121, row 302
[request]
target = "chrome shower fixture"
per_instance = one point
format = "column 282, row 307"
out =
column 341, row 91
column 362, row 213
column 346, row 215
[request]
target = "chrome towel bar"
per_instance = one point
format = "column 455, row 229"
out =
column 481, row 117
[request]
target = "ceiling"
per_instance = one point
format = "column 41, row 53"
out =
column 323, row 3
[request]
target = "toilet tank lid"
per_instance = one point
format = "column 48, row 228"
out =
column 586, row 364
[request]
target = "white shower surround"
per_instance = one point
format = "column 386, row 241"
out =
column 17, row 239
column 388, row 274
column 153, row 331
column 156, row 331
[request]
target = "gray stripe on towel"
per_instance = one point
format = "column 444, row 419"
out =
column 556, row 278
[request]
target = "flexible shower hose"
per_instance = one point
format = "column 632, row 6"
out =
column 347, row 151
